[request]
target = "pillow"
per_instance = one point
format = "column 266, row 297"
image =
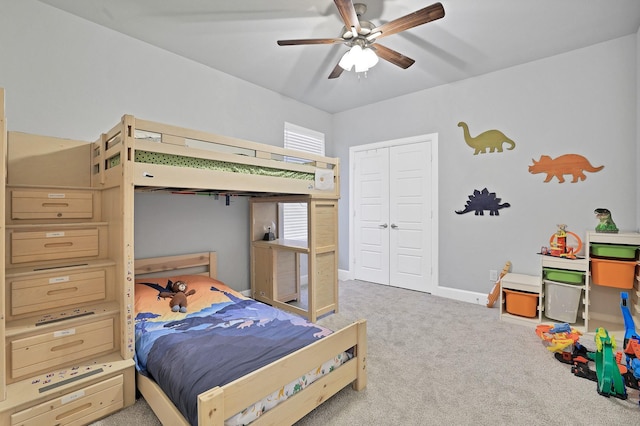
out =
column 209, row 292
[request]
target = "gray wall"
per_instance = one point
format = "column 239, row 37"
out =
column 166, row 222
column 69, row 78
column 581, row 102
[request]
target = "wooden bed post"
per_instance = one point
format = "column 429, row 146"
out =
column 211, row 407
column 3, row 149
column 124, row 250
column 361, row 382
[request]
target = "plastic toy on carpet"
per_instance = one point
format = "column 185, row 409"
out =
column 610, row 381
column 631, row 344
column 495, row 292
column 559, row 337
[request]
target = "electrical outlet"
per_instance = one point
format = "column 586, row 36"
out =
column 493, row 275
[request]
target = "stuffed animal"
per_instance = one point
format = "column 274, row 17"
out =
column 606, row 222
column 178, row 295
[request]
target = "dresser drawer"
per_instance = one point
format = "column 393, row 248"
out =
column 51, row 205
column 76, row 408
column 56, row 291
column 35, row 246
column 30, row 355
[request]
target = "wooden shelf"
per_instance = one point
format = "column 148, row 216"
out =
column 42, row 387
column 277, row 266
column 292, row 245
column 69, row 316
column 61, row 267
column 603, row 302
column 33, row 226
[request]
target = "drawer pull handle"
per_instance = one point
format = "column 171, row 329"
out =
column 55, row 204
column 62, row 290
column 74, row 411
column 67, row 345
column 51, row 245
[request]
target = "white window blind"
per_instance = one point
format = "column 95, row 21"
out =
column 294, row 215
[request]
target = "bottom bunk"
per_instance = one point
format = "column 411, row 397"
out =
column 229, row 359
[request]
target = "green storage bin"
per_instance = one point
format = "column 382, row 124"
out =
column 613, row 250
column 563, row 275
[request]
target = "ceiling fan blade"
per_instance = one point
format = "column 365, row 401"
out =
column 422, row 16
column 348, row 14
column 337, row 71
column 392, row 56
column 296, row 42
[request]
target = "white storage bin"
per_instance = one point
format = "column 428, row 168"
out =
column 562, row 301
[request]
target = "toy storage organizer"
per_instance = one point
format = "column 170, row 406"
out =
column 614, row 260
column 562, row 301
column 564, row 281
column 557, row 294
column 613, row 265
column 520, row 297
column 584, row 292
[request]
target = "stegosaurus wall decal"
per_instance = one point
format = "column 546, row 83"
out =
column 483, row 200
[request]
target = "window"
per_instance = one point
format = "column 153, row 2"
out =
column 294, row 215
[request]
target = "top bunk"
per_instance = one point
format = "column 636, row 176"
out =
column 153, row 156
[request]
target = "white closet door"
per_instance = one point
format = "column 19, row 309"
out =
column 392, row 216
column 410, row 216
column 371, row 200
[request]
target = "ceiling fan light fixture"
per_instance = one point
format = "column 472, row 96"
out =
column 362, row 59
column 359, row 35
column 349, row 59
column 369, row 57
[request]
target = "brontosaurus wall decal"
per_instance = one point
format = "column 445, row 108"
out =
column 491, row 139
column 567, row 164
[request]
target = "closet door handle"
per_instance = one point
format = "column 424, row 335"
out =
column 384, row 225
column 394, row 226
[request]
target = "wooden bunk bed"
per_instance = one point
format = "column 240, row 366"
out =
column 82, row 200
column 159, row 156
column 139, row 155
column 220, row 402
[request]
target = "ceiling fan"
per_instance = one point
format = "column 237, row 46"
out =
column 361, row 36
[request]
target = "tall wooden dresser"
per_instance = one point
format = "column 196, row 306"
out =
column 64, row 361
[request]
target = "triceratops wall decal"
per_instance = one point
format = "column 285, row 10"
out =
column 567, row 164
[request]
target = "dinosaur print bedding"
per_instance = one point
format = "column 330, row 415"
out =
column 222, row 336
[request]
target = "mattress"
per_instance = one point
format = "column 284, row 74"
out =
column 222, row 336
column 149, row 157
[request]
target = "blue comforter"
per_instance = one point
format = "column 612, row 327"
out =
column 215, row 345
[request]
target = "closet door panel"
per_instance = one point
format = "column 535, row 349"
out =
column 410, row 211
column 392, row 198
column 372, row 216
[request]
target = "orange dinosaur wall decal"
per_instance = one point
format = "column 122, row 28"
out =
column 491, row 140
column 567, row 164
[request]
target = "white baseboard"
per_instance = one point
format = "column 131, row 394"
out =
column 462, row 295
column 448, row 292
column 344, row 275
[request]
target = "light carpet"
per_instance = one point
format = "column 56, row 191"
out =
column 437, row 361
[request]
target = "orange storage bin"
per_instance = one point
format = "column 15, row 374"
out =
column 521, row 303
column 613, row 273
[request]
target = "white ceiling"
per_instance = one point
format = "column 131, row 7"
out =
column 475, row 37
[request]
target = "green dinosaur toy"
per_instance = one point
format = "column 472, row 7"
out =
column 606, row 223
